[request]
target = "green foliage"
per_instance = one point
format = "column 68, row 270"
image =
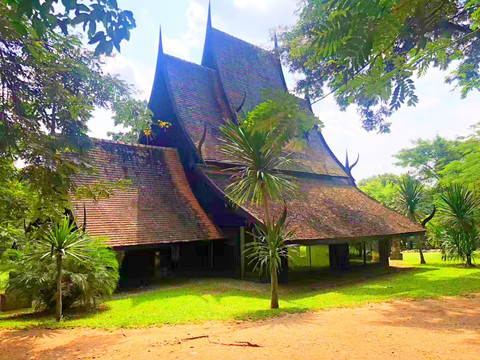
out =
column 49, row 88
column 282, row 115
column 465, row 169
column 411, row 198
column 83, row 283
column 382, row 188
column 368, row 52
column 269, row 247
column 257, row 149
column 259, row 158
column 429, row 157
column 104, row 23
column 134, row 115
column 89, row 270
column 460, row 214
column 180, row 302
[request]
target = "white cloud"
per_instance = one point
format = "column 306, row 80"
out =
column 128, row 71
column 196, row 17
column 196, row 21
column 175, row 47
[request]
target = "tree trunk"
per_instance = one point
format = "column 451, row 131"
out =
column 422, row 258
column 420, row 249
column 469, row 260
column 58, row 305
column 274, row 288
column 266, row 205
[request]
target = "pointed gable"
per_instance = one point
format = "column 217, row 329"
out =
column 198, row 99
column 242, row 67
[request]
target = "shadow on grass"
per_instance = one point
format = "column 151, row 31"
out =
column 212, row 299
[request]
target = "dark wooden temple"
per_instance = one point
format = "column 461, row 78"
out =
column 176, row 217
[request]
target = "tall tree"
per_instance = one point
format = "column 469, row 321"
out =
column 258, row 146
column 368, row 53
column 49, row 87
column 411, row 202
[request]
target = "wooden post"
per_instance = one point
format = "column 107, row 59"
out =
column 364, row 253
column 310, row 255
column 242, row 254
column 210, row 255
column 384, row 251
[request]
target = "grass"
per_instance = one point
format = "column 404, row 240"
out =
column 228, row 299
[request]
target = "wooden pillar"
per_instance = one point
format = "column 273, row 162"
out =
column 210, row 255
column 242, row 252
column 364, row 253
column 338, row 254
column 384, row 251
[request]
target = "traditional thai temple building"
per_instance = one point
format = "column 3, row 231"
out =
column 175, row 217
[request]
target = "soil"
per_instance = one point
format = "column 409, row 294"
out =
column 428, row 329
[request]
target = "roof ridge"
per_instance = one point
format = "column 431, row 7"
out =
column 270, row 52
column 188, row 62
column 143, row 146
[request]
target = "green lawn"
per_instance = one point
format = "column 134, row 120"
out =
column 220, row 299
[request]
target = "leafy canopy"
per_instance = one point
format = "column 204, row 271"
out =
column 368, row 53
column 104, row 23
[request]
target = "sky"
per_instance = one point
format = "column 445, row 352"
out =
column 441, row 111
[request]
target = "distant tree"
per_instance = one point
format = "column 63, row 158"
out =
column 460, row 214
column 429, row 157
column 368, row 53
column 382, row 188
column 466, row 168
column 411, row 201
column 258, row 146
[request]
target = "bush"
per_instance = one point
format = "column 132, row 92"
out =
column 83, row 283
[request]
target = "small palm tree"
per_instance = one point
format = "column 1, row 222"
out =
column 62, row 242
column 410, row 201
column 269, row 249
column 460, row 213
column 258, row 156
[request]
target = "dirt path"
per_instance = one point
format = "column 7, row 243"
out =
column 430, row 329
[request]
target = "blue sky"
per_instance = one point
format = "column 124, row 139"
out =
column 440, row 110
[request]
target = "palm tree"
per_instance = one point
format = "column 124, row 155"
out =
column 62, row 242
column 460, row 213
column 410, row 201
column 258, row 155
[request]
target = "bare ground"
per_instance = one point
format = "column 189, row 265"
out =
column 430, row 329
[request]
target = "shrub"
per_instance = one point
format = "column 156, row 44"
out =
column 83, row 282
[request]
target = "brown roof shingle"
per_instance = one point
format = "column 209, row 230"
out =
column 158, row 207
column 330, row 208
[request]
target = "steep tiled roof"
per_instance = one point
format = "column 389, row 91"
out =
column 158, row 207
column 244, row 68
column 329, row 208
column 198, row 99
column 315, row 157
